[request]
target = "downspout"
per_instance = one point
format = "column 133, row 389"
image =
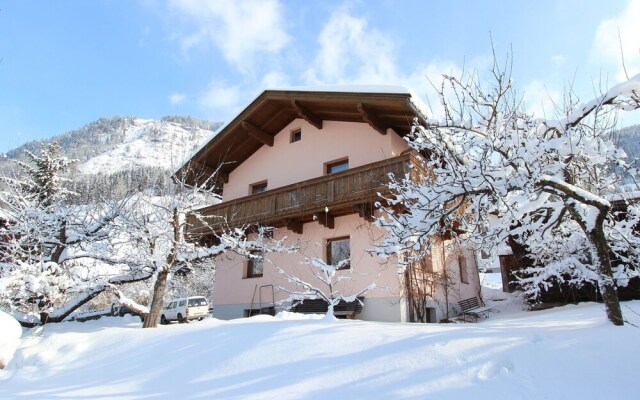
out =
column 446, row 280
column 409, row 295
column 475, row 260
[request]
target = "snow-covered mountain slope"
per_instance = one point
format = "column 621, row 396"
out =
column 110, row 145
column 629, row 139
column 148, row 143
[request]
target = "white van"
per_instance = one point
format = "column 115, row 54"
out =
column 185, row 309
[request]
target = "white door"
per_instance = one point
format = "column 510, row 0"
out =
column 170, row 311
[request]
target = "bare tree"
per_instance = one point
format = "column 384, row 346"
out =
column 327, row 288
column 157, row 239
column 425, row 287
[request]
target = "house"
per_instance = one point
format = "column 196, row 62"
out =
column 312, row 162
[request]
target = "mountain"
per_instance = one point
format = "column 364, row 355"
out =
column 629, row 139
column 113, row 144
column 123, row 154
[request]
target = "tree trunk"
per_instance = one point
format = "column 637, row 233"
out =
column 160, row 287
column 607, row 284
column 59, row 248
column 84, row 298
column 151, row 320
column 445, row 277
column 329, row 316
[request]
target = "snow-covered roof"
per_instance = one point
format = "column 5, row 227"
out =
column 389, row 89
column 630, row 195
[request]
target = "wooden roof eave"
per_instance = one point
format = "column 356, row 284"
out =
column 298, row 101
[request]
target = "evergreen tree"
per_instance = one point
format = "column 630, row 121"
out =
column 44, row 237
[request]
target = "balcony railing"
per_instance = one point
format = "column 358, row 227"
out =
column 300, row 201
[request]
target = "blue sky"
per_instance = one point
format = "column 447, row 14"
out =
column 67, row 63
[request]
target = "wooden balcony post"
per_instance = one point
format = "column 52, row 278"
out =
column 330, row 190
column 326, row 219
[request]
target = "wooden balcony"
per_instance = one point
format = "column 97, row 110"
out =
column 352, row 191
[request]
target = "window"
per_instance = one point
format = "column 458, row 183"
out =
column 255, row 265
column 462, row 262
column 258, row 187
column 251, row 312
column 197, row 302
column 337, row 166
column 296, row 135
column 338, row 249
column 182, row 303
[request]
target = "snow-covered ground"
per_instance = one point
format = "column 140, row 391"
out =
column 10, row 332
column 564, row 353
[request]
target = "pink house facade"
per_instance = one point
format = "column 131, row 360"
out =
column 311, row 163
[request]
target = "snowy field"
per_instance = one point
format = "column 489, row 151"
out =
column 570, row 352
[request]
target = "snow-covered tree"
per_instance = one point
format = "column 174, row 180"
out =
column 326, row 285
column 156, row 238
column 495, row 172
column 44, row 240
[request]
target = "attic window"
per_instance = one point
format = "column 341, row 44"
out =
column 258, row 187
column 337, row 166
column 296, row 135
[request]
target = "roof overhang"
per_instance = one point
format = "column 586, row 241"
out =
column 383, row 108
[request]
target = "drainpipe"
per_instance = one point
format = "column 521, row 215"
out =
column 446, row 281
column 475, row 260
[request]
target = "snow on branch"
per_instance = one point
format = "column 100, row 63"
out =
column 330, row 291
column 490, row 172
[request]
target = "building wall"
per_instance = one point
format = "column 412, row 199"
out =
column 286, row 163
column 438, row 283
column 385, row 309
column 447, row 256
column 234, row 291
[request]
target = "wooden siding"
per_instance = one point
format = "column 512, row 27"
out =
column 340, row 193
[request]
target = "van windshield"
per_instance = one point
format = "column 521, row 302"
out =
column 200, row 301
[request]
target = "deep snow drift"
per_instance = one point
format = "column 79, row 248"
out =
column 564, row 353
column 10, row 332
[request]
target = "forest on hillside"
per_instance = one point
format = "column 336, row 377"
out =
column 104, row 135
